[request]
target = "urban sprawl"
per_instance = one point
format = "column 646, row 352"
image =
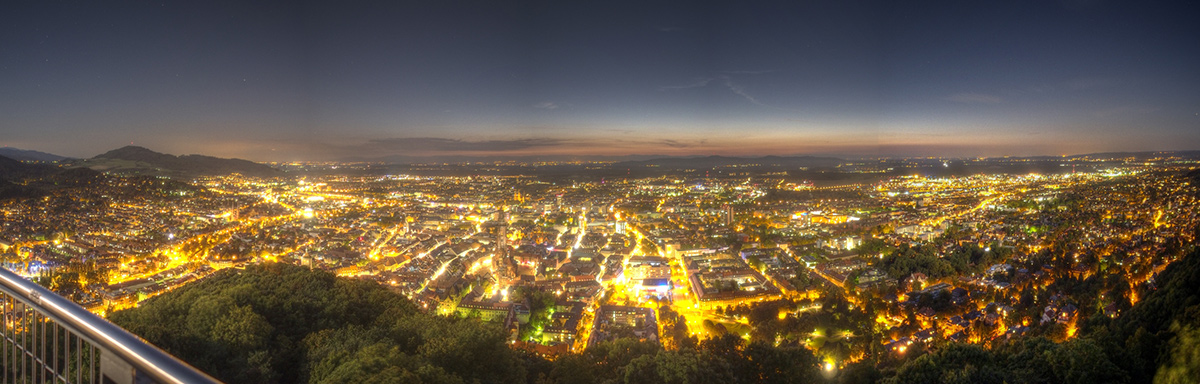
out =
column 882, row 266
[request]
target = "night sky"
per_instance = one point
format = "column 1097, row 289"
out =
column 336, row 80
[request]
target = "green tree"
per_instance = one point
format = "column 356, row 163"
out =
column 1081, row 361
column 1183, row 365
column 676, row 367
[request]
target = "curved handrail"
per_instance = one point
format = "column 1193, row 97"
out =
column 145, row 358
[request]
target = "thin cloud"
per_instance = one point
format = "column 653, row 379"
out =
column 724, row 80
column 436, row 146
column 1076, row 85
column 743, row 72
column 425, row 144
column 737, row 89
column 679, row 144
column 975, row 98
column 1127, row 110
column 674, row 144
column 546, row 105
column 697, row 84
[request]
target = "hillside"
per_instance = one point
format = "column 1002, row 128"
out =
column 285, row 324
column 9, row 190
column 1157, row 340
column 14, row 170
column 141, row 161
column 28, row 155
column 22, row 180
column 279, row 323
column 1160, row 336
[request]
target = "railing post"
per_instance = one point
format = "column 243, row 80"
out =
column 114, row 370
column 112, row 355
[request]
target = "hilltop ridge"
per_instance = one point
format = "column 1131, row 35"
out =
column 29, row 155
column 143, row 161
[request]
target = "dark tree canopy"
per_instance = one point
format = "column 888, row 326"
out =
column 278, row 323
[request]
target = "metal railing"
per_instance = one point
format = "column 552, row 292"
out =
column 48, row 339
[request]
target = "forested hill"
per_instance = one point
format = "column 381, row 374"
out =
column 20, row 180
column 1155, row 341
column 133, row 160
column 1159, row 338
column 278, row 323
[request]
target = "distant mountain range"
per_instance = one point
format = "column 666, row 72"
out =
column 28, row 155
column 716, row 161
column 458, row 159
column 1136, row 155
column 625, row 160
column 725, row 161
column 131, row 160
column 141, row 161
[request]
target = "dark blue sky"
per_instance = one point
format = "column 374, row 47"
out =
column 338, row 79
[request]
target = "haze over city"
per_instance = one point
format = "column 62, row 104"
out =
column 571, row 192
column 331, row 81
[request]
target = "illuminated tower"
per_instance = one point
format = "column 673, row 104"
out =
column 500, row 261
column 502, row 233
column 727, row 215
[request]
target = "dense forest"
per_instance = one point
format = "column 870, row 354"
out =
column 278, row 323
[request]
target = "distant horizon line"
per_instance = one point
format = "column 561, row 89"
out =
column 394, row 159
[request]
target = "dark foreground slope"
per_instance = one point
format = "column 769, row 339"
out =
column 20, row 180
column 282, row 324
column 1155, row 341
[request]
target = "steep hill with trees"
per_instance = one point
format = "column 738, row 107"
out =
column 284, row 324
column 279, row 323
column 1155, row 341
